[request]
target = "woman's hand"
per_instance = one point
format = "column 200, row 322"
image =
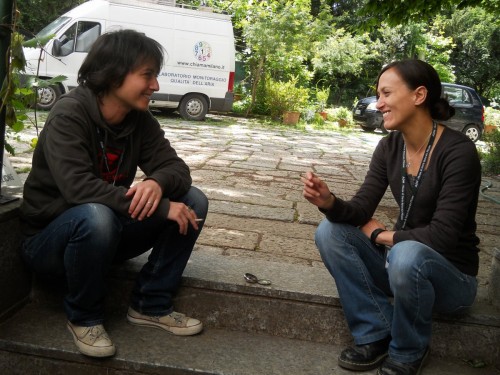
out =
column 317, row 192
column 146, row 197
column 183, row 215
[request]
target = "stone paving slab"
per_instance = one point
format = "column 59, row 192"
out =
column 251, row 175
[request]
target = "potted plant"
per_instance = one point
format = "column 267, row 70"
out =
column 322, row 96
column 285, row 100
column 491, row 120
column 238, row 92
column 342, row 116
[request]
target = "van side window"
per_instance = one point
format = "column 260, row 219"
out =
column 67, row 41
column 88, row 32
column 79, row 38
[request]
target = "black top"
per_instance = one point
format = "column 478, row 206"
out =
column 69, row 160
column 444, row 209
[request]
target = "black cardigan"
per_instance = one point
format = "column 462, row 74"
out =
column 444, row 209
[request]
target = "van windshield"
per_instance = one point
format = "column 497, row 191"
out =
column 53, row 27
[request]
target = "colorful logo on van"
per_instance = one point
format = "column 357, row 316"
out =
column 202, row 51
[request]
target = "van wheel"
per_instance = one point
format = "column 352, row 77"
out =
column 473, row 132
column 47, row 97
column 193, row 107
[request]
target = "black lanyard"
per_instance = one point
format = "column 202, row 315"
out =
column 105, row 156
column 403, row 216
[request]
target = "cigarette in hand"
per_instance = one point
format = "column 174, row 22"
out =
column 198, row 220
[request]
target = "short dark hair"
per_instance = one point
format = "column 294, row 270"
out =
column 416, row 73
column 114, row 55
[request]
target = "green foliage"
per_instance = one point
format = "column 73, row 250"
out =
column 322, row 96
column 277, row 38
column 285, row 96
column 33, row 19
column 340, row 58
column 492, row 117
column 340, row 114
column 241, row 106
column 491, row 158
column 326, row 41
column 341, row 54
column 417, row 40
column 399, row 42
column 16, row 98
column 476, row 54
column 18, row 92
column 436, row 50
column 397, row 12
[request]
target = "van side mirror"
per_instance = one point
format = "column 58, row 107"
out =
column 56, row 48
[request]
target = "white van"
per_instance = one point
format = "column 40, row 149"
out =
column 198, row 73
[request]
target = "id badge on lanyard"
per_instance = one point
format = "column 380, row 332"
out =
column 404, row 214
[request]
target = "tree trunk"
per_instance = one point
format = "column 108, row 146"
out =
column 255, row 83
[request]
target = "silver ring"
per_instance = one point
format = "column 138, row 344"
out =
column 150, row 203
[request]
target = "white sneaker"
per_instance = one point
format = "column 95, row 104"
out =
column 175, row 323
column 92, row 341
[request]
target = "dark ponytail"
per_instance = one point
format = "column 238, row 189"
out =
column 416, row 73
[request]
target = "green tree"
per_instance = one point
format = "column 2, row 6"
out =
column 397, row 12
column 476, row 56
column 340, row 59
column 399, row 42
column 436, row 49
column 32, row 19
column 277, row 38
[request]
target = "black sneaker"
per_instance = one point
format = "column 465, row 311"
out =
column 364, row 357
column 391, row 367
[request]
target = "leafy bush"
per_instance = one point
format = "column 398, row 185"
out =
column 491, row 158
column 241, row 106
column 340, row 113
column 285, row 96
column 492, row 117
column 322, row 96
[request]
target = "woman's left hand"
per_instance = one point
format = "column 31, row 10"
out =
column 146, row 198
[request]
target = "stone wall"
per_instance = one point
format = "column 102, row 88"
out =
column 15, row 280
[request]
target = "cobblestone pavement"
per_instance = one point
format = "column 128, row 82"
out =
column 251, row 175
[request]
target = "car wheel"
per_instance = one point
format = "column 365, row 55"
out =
column 382, row 127
column 473, row 132
column 47, row 97
column 193, row 107
column 367, row 129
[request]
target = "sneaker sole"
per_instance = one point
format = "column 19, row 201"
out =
column 177, row 331
column 362, row 366
column 91, row 351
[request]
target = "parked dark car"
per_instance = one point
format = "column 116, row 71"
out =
column 468, row 118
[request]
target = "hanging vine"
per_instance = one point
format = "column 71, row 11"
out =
column 19, row 91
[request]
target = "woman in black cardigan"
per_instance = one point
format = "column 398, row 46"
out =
column 429, row 261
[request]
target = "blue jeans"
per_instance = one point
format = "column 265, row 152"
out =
column 84, row 242
column 420, row 280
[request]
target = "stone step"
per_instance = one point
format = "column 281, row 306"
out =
column 301, row 303
column 36, row 341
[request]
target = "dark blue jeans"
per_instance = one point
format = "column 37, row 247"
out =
column 83, row 242
column 420, row 280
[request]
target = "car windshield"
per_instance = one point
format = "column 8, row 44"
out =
column 52, row 27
